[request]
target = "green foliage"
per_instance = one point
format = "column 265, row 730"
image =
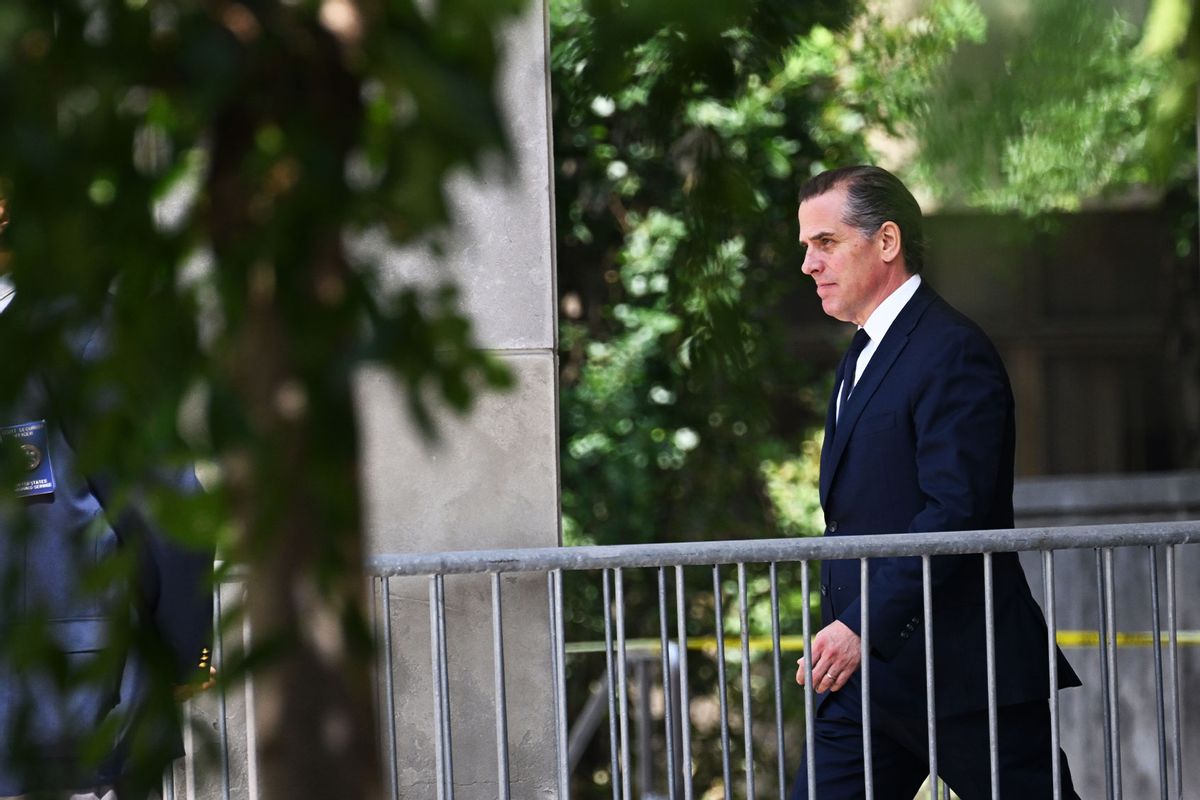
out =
column 188, row 171
column 113, row 104
column 1065, row 116
column 791, row 485
column 892, row 68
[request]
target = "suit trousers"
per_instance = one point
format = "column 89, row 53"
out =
column 900, row 753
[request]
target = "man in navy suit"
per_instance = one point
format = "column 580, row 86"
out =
column 919, row 437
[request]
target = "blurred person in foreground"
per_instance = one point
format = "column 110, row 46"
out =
column 919, row 437
column 104, row 621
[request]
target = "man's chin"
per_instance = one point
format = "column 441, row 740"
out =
column 832, row 309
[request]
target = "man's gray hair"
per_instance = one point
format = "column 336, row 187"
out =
column 875, row 196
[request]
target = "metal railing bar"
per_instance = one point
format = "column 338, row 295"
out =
column 501, row 691
column 222, row 702
column 443, row 655
column 435, row 652
column 989, row 634
column 1102, row 621
column 864, row 594
column 1110, row 650
column 555, row 656
column 747, row 709
column 685, row 716
column 189, row 746
column 719, row 613
column 668, row 700
column 798, row 549
column 623, row 686
column 677, row 744
column 931, row 717
column 390, row 690
column 1052, row 666
column 777, row 661
column 1172, row 626
column 564, row 775
column 809, row 712
column 251, row 719
column 379, row 666
column 613, row 742
column 1159, row 696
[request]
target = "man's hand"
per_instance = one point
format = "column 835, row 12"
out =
column 836, row 652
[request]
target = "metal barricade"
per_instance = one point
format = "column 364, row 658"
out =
column 1159, row 541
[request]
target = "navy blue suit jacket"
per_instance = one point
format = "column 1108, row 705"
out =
column 925, row 443
column 48, row 543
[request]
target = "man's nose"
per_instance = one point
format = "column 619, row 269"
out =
column 810, row 264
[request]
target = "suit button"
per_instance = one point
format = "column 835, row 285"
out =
column 832, row 526
column 824, row 590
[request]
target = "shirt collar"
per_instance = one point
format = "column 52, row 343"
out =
column 7, row 292
column 885, row 313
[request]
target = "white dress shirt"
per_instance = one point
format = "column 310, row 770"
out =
column 878, row 323
column 7, row 292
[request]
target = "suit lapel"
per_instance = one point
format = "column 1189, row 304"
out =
column 881, row 362
column 830, row 420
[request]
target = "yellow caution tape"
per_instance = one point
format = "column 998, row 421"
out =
column 793, row 644
column 1125, row 638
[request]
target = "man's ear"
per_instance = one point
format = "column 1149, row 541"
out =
column 889, row 241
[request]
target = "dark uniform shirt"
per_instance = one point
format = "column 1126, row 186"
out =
column 54, row 541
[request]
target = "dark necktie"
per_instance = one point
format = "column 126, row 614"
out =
column 856, row 347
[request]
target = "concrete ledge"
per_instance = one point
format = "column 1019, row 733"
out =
column 1165, row 495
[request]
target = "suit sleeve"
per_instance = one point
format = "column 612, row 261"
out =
column 962, row 418
column 173, row 587
column 173, row 583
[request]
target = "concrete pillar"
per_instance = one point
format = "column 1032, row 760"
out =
column 491, row 478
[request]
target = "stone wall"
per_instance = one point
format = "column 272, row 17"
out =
column 491, row 478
